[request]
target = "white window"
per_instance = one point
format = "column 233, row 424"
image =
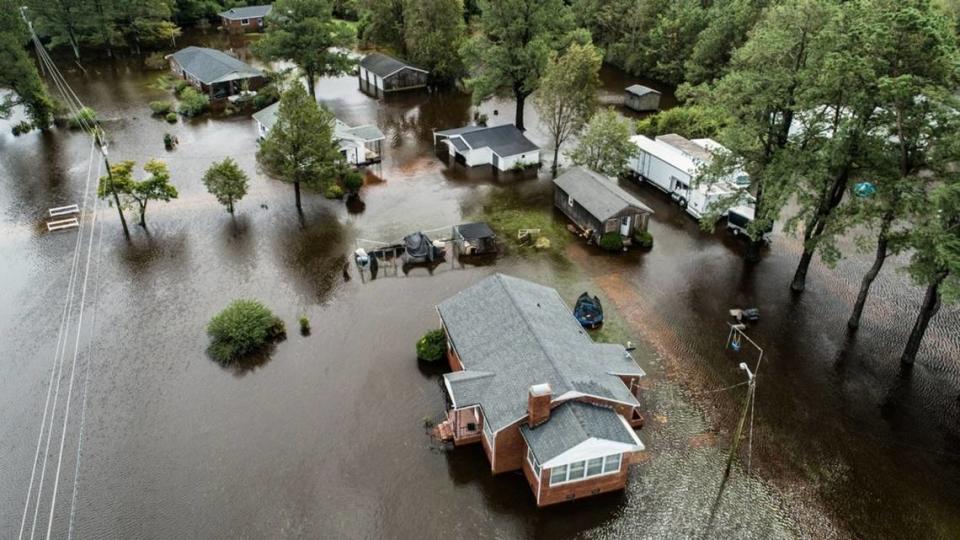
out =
column 570, row 201
column 532, row 459
column 595, row 466
column 611, row 463
column 576, row 470
column 244, row 21
column 558, row 474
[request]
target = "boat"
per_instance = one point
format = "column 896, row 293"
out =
column 418, row 248
column 588, row 311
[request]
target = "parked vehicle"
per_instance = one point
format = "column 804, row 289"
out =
column 588, row 311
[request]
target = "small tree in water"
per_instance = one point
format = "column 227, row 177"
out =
column 155, row 187
column 605, row 146
column 299, row 148
column 245, row 327
column 226, row 181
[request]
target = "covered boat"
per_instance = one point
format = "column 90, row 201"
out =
column 588, row 311
column 419, row 249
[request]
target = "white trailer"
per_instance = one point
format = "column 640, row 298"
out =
column 676, row 171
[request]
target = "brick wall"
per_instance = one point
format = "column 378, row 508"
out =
column 578, row 490
column 510, row 448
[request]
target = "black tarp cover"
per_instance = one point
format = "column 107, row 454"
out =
column 418, row 248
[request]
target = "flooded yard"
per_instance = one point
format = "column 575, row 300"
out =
column 327, row 437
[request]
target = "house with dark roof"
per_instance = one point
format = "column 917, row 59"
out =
column 245, row 18
column 381, row 74
column 536, row 392
column 641, row 98
column 214, row 72
column 597, row 205
column 505, row 147
column 359, row 145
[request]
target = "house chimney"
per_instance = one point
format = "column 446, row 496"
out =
column 538, row 404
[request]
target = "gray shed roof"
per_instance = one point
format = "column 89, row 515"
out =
column 384, row 65
column 640, row 90
column 511, row 334
column 572, row 423
column 213, row 66
column 246, row 12
column 267, row 116
column 599, row 195
column 505, row 140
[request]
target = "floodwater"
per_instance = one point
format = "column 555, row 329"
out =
column 147, row 437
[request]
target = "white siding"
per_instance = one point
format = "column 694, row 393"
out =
column 657, row 171
column 479, row 156
column 507, row 163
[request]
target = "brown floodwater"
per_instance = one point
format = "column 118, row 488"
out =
column 325, row 436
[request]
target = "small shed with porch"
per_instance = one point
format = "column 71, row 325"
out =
column 598, row 205
column 475, row 238
column 214, row 72
column 642, row 98
column 381, row 74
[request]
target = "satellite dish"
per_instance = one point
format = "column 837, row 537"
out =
column 864, row 189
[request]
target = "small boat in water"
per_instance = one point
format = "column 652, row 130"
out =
column 588, row 311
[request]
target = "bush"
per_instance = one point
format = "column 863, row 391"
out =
column 161, row 107
column 85, row 118
column 333, row 192
column 155, row 61
column 432, row 346
column 352, row 181
column 304, row 325
column 243, row 328
column 192, row 102
column 643, row 239
column 20, row 128
column 172, row 117
column 611, row 241
column 179, row 85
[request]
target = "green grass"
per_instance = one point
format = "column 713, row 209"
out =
column 507, row 215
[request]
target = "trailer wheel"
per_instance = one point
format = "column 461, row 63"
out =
column 736, row 232
column 682, row 202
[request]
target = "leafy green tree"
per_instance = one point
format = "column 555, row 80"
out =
column 568, row 94
column 299, row 148
column 383, row 23
column 64, row 22
column 18, row 73
column 305, row 33
column 760, row 92
column 242, row 328
column 693, row 121
column 155, row 187
column 512, row 47
column 726, row 30
column 226, row 181
column 433, row 33
column 605, row 146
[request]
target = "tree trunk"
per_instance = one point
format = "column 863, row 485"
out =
column 123, row 220
column 929, row 308
column 881, row 256
column 230, row 206
column 800, row 276
column 143, row 214
column 313, row 93
column 296, row 190
column 521, row 97
column 556, row 157
column 753, row 250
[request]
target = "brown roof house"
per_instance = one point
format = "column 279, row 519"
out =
column 533, row 388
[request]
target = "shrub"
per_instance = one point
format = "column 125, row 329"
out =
column 84, row 118
column 21, row 127
column 243, row 328
column 161, row 107
column 611, row 241
column 172, row 117
column 192, row 102
column 169, row 141
column 643, row 239
column 155, row 61
column 179, row 85
column 352, row 181
column 333, row 192
column 304, row 325
column 432, row 346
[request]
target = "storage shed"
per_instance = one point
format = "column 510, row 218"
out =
column 475, row 238
column 380, row 74
column 642, row 98
column 598, row 205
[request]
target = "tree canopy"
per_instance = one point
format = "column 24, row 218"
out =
column 226, row 181
column 605, row 145
column 18, row 73
column 155, row 187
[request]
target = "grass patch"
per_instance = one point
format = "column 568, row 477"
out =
column 507, row 215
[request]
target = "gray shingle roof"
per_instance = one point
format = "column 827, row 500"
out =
column 267, row 116
column 212, row 66
column 384, row 65
column 599, row 195
column 505, row 140
column 640, row 90
column 572, row 423
column 511, row 334
column 247, row 12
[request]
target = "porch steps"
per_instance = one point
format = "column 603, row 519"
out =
column 444, row 431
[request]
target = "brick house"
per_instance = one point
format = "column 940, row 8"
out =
column 536, row 392
column 245, row 19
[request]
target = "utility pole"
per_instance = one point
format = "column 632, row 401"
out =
column 102, row 144
column 735, row 445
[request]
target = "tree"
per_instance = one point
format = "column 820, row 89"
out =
column 155, row 187
column 299, row 148
column 226, row 181
column 242, row 328
column 512, row 47
column 568, row 94
column 918, row 53
column 726, row 31
column 433, row 32
column 605, row 146
column 18, row 73
column 382, row 22
column 760, row 93
column 693, row 121
column 305, row 33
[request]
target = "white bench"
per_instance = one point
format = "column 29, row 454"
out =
column 64, row 210
column 61, row 224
